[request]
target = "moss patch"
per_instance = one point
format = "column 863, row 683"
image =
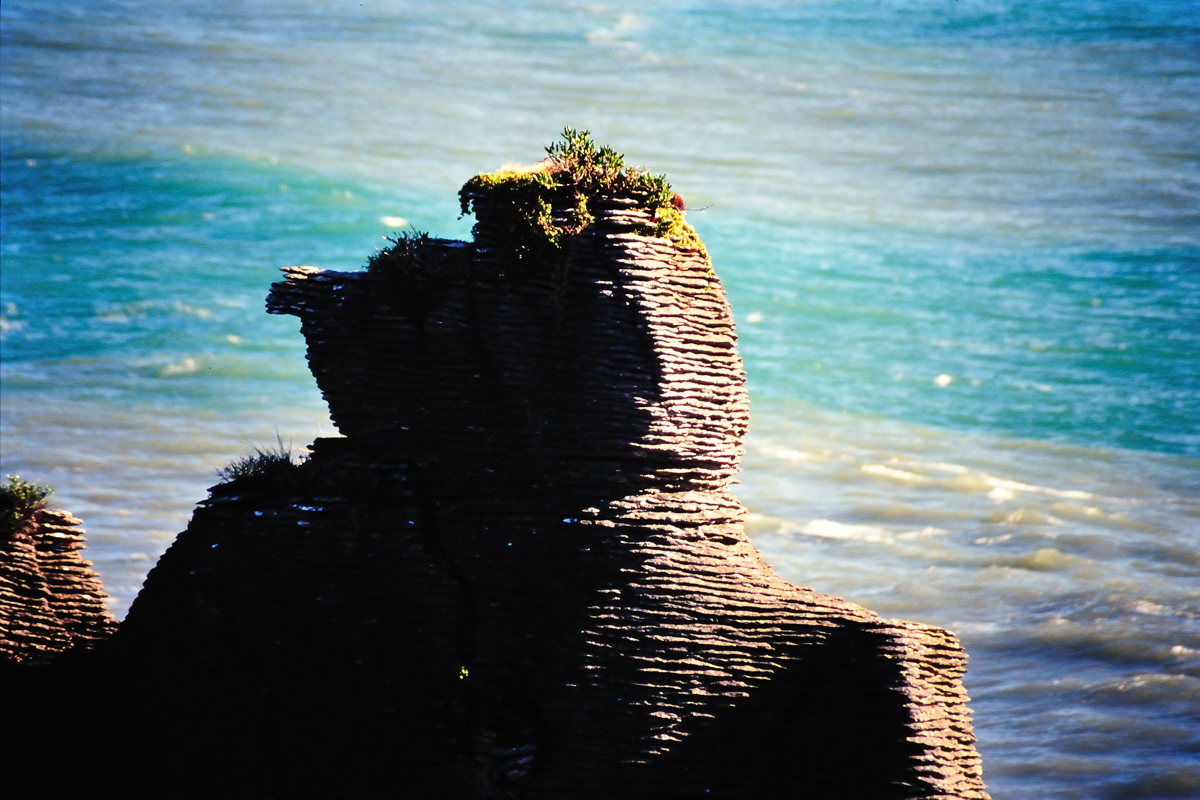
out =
column 670, row 224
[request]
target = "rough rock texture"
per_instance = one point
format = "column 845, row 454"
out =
column 521, row 574
column 50, row 599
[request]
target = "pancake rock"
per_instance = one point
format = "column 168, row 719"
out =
column 51, row 601
column 520, row 572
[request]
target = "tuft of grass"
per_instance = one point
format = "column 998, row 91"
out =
column 412, row 249
column 19, row 499
column 278, row 474
column 417, row 268
column 269, row 464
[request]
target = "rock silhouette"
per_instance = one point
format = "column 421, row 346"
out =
column 520, row 572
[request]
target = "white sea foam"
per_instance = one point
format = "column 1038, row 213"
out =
column 836, row 530
column 789, row 454
column 889, row 472
column 184, row 367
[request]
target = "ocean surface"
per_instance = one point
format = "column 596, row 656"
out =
column 961, row 239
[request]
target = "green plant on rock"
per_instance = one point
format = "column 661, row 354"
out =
column 269, row 465
column 670, row 224
column 533, row 214
column 412, row 249
column 578, row 163
column 19, row 499
column 277, row 474
column 417, row 268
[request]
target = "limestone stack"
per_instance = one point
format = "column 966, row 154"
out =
column 51, row 601
column 520, row 572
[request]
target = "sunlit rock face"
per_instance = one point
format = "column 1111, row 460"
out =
column 520, row 573
column 51, row 601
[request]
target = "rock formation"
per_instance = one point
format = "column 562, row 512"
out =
column 520, row 572
column 51, row 601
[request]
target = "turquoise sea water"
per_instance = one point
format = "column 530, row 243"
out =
column 960, row 238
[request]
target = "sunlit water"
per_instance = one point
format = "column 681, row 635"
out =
column 960, row 239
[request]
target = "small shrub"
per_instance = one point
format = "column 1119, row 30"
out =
column 20, row 498
column 518, row 207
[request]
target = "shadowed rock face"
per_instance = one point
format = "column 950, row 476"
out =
column 521, row 574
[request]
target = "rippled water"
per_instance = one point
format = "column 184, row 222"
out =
column 960, row 239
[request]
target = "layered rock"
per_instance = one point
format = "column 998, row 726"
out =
column 520, row 572
column 51, row 601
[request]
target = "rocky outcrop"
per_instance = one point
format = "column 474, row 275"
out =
column 51, row 601
column 521, row 572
